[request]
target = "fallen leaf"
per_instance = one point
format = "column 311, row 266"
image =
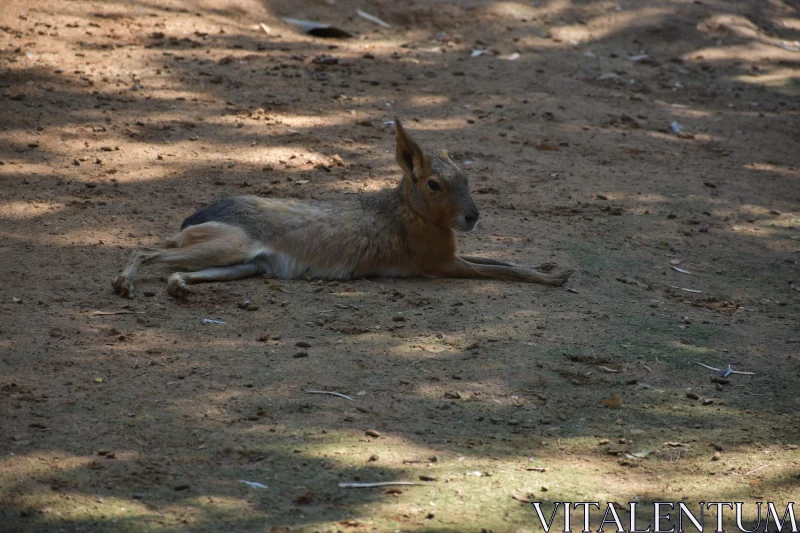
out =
column 547, row 147
column 615, row 402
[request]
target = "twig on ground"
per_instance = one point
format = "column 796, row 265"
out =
column 725, row 372
column 372, row 18
column 756, row 470
column 377, row 484
column 109, row 313
column 331, row 393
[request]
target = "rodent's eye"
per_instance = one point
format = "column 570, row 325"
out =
column 434, row 185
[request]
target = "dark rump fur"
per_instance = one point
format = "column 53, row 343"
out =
column 216, row 212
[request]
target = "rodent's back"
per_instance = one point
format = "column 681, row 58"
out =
column 363, row 235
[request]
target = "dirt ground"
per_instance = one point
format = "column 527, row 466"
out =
column 651, row 145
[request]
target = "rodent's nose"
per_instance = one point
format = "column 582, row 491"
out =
column 472, row 217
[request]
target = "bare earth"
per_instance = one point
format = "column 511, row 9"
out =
column 119, row 119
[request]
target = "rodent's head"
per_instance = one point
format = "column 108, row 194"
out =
column 435, row 187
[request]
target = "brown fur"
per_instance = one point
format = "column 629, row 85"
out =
column 407, row 231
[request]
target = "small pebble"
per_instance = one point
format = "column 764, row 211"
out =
column 372, row 433
column 398, row 318
column 300, row 353
column 603, row 442
column 303, row 344
column 716, row 456
column 692, row 396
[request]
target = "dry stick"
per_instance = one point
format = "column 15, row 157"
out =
column 372, row 18
column 109, row 313
column 756, row 470
column 732, row 371
column 378, row 484
column 339, row 394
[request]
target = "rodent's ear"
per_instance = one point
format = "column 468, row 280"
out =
column 409, row 156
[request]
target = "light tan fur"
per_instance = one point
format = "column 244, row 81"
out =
column 406, row 231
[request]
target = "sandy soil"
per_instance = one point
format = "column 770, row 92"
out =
column 121, row 118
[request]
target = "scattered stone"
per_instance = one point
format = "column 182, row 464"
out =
column 603, row 442
column 304, row 498
column 708, row 401
column 373, row 458
column 716, row 456
column 372, row 433
column 398, row 318
column 303, row 344
column 428, row 478
column 300, row 353
column 692, row 396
